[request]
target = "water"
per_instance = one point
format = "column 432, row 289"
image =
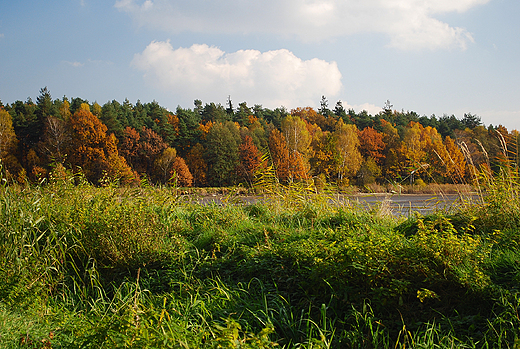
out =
column 410, row 204
column 395, row 204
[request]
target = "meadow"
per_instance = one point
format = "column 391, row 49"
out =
column 84, row 266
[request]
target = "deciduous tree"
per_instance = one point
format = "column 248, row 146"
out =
column 92, row 150
column 181, row 173
column 298, row 139
column 164, row 164
column 279, row 155
column 55, row 139
column 197, row 164
column 151, row 146
column 347, row 146
column 325, row 158
column 455, row 163
column 371, row 144
column 250, row 159
column 8, row 142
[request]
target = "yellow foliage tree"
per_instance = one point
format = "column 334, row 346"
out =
column 347, row 146
column 8, row 142
column 298, row 140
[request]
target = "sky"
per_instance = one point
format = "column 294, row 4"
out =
column 433, row 57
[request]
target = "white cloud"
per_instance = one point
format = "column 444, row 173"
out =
column 74, row 64
column 370, row 108
column 272, row 78
column 89, row 62
column 410, row 24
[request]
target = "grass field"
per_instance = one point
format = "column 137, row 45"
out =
column 111, row 267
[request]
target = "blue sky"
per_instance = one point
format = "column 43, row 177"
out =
column 428, row 56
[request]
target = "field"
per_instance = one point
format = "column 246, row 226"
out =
column 110, row 267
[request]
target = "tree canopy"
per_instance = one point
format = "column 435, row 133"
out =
column 220, row 146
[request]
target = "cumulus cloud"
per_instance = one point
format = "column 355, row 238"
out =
column 410, row 24
column 271, row 78
column 370, row 108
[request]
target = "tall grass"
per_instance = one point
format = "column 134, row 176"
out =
column 113, row 267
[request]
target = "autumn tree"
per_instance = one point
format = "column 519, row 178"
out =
column 8, row 142
column 64, row 109
column 371, row 144
column 151, row 146
column 393, row 161
column 55, row 139
column 164, row 164
column 250, row 159
column 289, row 165
column 197, row 164
column 181, row 173
column 298, row 141
column 173, row 168
column 347, row 146
column 129, row 146
column 325, row 120
column 368, row 172
column 455, row 162
column 325, row 157
column 437, row 156
column 279, row 155
column 92, row 150
column 298, row 167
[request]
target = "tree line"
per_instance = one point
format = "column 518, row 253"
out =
column 215, row 145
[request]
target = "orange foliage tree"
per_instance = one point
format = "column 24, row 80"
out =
column 371, row 144
column 92, row 150
column 250, row 159
column 279, row 155
column 181, row 173
column 197, row 164
column 455, row 163
column 129, row 146
column 151, row 146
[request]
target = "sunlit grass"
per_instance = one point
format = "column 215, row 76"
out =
column 83, row 266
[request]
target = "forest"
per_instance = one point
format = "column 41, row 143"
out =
column 218, row 146
column 93, row 254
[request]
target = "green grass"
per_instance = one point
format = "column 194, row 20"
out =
column 88, row 267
